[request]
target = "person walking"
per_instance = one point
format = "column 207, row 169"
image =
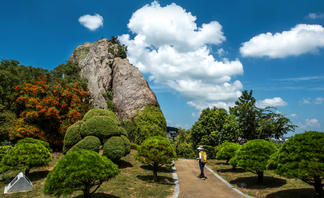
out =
column 202, row 159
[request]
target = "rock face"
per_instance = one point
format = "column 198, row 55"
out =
column 102, row 68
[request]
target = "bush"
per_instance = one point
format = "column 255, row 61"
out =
column 134, row 146
column 219, row 147
column 254, row 156
column 233, row 161
column 210, row 151
column 227, row 152
column 4, row 150
column 114, row 148
column 156, row 151
column 90, row 143
column 80, row 170
column 31, row 140
column 102, row 124
column 26, row 155
column 302, row 157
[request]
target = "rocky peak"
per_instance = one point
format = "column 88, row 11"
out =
column 105, row 66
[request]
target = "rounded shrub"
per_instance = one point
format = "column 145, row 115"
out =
column 80, row 170
column 126, row 144
column 219, row 147
column 102, row 127
column 91, row 143
column 100, row 112
column 32, row 140
column 133, row 146
column 114, row 148
column 227, row 152
column 72, row 135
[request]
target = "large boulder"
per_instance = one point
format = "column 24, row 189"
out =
column 101, row 66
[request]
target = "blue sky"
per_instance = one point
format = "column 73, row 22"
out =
column 194, row 55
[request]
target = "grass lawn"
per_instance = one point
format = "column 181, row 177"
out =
column 135, row 180
column 273, row 186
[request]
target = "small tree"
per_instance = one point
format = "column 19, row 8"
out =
column 254, row 156
column 302, row 157
column 228, row 152
column 26, row 154
column 79, row 170
column 155, row 151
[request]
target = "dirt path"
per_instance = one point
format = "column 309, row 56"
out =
column 192, row 186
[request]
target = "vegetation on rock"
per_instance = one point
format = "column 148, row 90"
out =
column 80, row 170
column 302, row 157
column 156, row 151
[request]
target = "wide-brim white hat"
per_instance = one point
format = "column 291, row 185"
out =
column 200, row 148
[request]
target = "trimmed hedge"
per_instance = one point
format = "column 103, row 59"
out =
column 91, row 143
column 114, row 148
column 72, row 135
column 134, row 146
column 32, row 140
column 100, row 112
column 126, row 144
column 4, row 150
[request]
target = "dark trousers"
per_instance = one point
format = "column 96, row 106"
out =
column 201, row 165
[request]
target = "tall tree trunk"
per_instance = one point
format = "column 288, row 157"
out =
column 260, row 177
column 155, row 172
column 318, row 188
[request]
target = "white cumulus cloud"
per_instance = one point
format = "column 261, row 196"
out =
column 274, row 102
column 319, row 100
column 312, row 123
column 91, row 22
column 301, row 39
column 173, row 51
column 315, row 16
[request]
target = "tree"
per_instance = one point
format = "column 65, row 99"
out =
column 46, row 108
column 213, row 127
column 254, row 156
column 150, row 122
column 183, row 143
column 26, row 154
column 302, row 157
column 155, row 151
column 7, row 120
column 80, row 170
column 259, row 123
column 227, row 152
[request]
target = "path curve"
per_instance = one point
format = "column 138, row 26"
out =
column 187, row 172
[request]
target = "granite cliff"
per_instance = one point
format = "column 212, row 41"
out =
column 106, row 67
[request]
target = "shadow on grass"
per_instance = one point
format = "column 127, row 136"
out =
column 268, row 182
column 237, row 170
column 161, row 169
column 161, row 179
column 123, row 164
column 296, row 193
column 98, row 195
column 38, row 175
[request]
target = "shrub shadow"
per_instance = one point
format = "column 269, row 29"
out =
column 123, row 164
column 160, row 169
column 161, row 179
column 237, row 170
column 268, row 182
column 98, row 195
column 38, row 175
column 296, row 193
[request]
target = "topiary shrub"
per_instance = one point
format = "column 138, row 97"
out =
column 4, row 150
column 91, row 143
column 219, row 147
column 302, row 157
column 227, row 152
column 156, row 151
column 80, row 170
column 102, row 126
column 114, row 148
column 254, row 156
column 26, row 154
column 134, row 146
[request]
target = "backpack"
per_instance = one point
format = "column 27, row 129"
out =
column 203, row 157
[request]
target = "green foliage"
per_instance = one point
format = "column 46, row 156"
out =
column 150, row 122
column 4, row 150
column 302, row 157
column 90, row 143
column 72, row 135
column 26, row 154
column 68, row 73
column 182, row 144
column 32, row 140
column 7, row 120
column 100, row 112
column 80, row 170
column 254, row 156
column 126, row 144
column 110, row 105
column 227, row 152
column 122, row 49
column 214, row 126
column 114, row 40
column 210, row 151
column 114, row 148
column 130, row 127
column 233, row 161
column 156, row 151
column 258, row 123
column 12, row 74
column 219, row 147
column 134, row 146
column 109, row 95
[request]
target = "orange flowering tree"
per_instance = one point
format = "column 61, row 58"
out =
column 46, row 108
